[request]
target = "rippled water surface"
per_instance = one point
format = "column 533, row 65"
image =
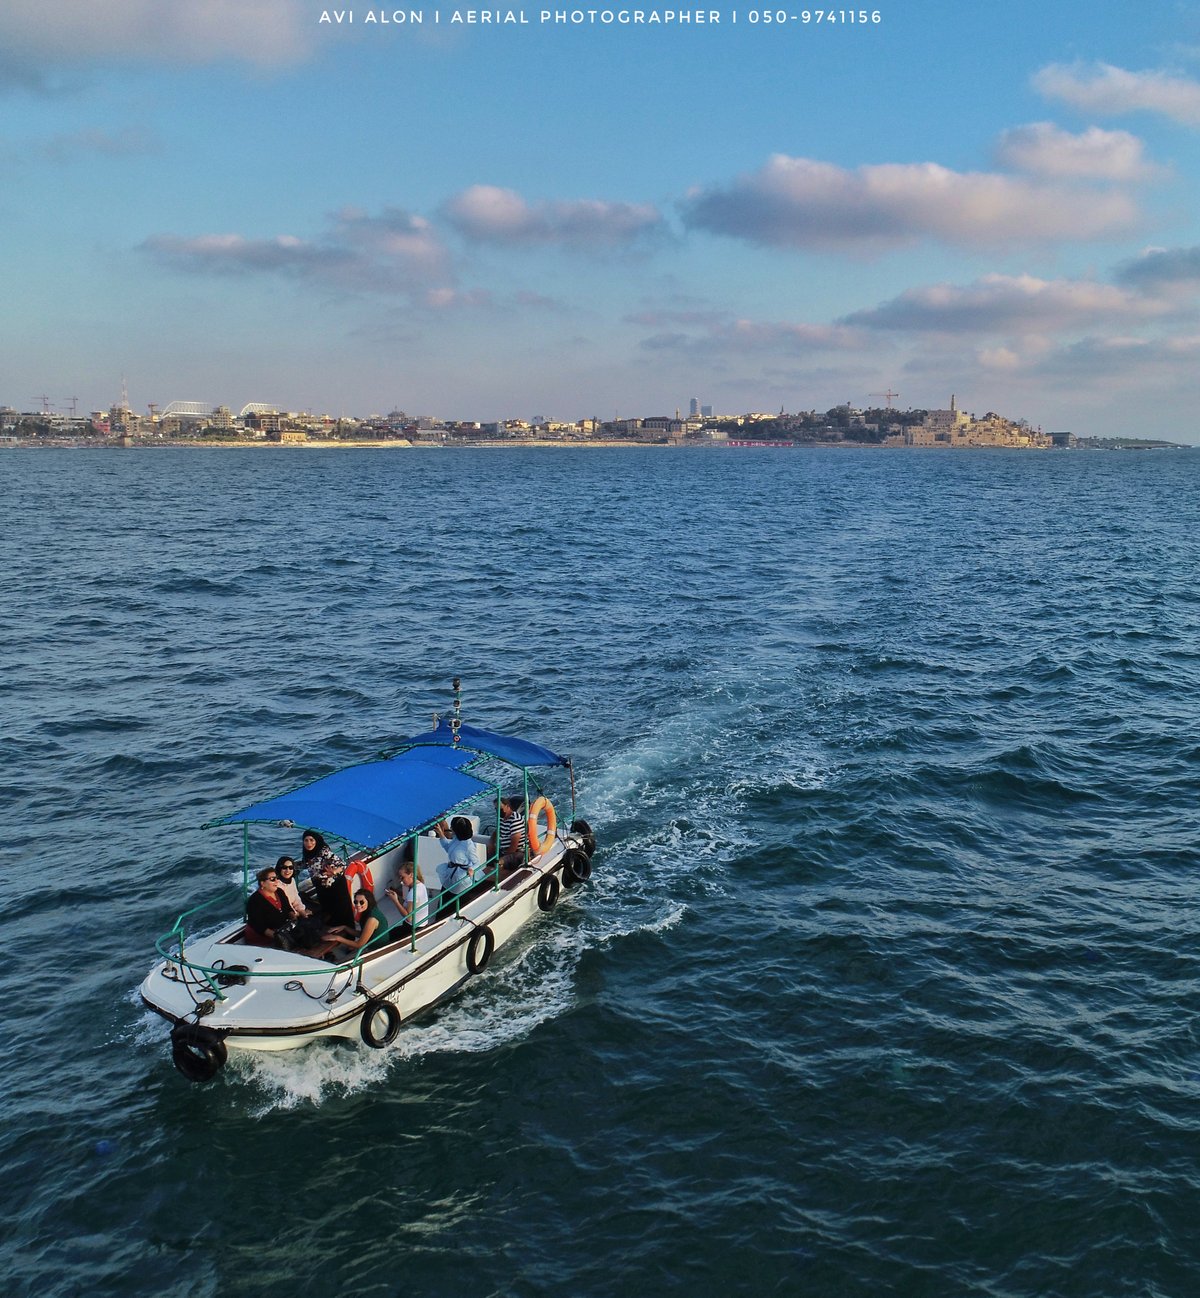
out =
column 885, row 980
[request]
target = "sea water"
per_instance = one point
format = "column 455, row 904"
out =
column 885, row 980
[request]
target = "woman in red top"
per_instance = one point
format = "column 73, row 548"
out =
column 267, row 910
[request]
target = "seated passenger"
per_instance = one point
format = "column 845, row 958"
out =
column 327, row 871
column 371, row 925
column 413, row 909
column 510, row 835
column 285, row 867
column 271, row 921
column 464, row 857
column 318, row 857
column 267, row 910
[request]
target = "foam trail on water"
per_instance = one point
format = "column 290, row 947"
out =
column 288, row 1079
column 661, row 831
column 528, row 984
column 532, row 981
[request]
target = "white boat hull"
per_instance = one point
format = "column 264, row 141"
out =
column 287, row 1000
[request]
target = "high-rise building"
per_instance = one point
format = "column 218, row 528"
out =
column 694, row 406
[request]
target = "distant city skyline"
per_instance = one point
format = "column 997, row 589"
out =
column 195, row 423
column 231, row 201
column 201, row 410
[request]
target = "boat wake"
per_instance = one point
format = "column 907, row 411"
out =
column 670, row 811
column 526, row 986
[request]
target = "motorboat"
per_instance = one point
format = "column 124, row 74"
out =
column 223, row 989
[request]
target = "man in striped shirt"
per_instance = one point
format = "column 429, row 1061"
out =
column 511, row 833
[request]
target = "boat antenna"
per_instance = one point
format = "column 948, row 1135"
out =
column 456, row 719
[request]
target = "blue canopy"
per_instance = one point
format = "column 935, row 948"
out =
column 517, row 751
column 377, row 802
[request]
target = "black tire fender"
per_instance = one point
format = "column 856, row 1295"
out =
column 197, row 1052
column 584, row 832
column 368, row 1025
column 548, row 891
column 577, row 866
column 477, row 958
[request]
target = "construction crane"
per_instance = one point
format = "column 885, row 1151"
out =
column 889, row 396
column 45, row 400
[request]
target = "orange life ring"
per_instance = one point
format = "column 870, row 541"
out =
column 538, row 845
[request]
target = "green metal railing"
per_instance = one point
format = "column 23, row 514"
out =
column 172, row 946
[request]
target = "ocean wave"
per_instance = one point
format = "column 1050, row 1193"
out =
column 889, row 915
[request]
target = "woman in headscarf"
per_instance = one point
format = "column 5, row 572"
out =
column 285, row 867
column 327, row 871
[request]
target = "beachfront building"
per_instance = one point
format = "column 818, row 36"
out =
column 122, row 420
column 553, row 429
column 265, row 421
column 662, row 424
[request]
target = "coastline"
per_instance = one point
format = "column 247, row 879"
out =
column 92, row 444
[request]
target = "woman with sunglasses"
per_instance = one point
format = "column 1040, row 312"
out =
column 267, row 910
column 285, row 867
column 370, row 923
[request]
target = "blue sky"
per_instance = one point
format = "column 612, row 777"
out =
column 230, row 201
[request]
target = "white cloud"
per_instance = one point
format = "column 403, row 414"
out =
column 1008, row 304
column 394, row 252
column 494, row 215
column 1163, row 269
column 1043, row 149
column 34, row 32
column 1109, row 91
column 693, row 317
column 801, row 203
column 230, row 253
column 1091, row 370
column 394, row 237
column 453, row 299
column 1002, row 359
column 1127, row 362
column 751, row 337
